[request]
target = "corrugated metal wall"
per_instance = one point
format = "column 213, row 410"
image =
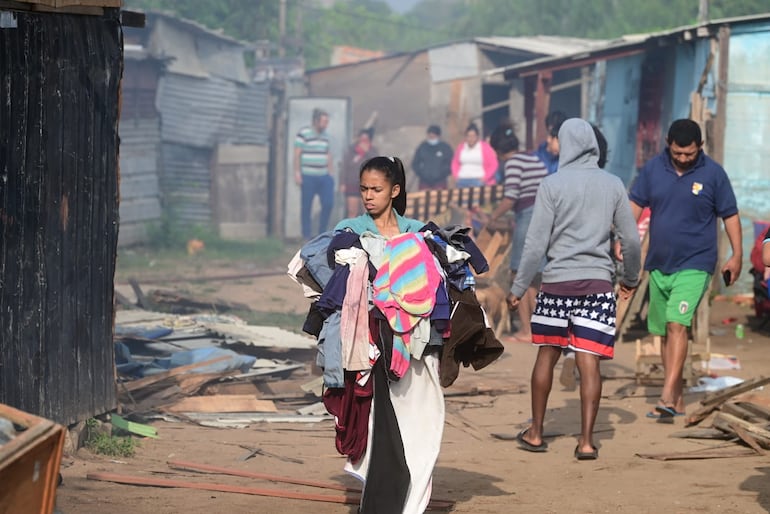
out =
column 197, row 115
column 140, row 199
column 620, row 114
column 139, row 186
column 59, row 77
column 747, row 133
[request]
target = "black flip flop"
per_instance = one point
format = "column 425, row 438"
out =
column 665, row 411
column 592, row 455
column 526, row 445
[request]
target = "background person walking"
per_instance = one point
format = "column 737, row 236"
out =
column 575, row 211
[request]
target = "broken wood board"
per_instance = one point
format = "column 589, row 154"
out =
column 740, row 412
column 726, row 422
column 748, row 439
column 711, row 401
column 718, row 397
column 239, row 387
column 139, row 383
column 702, row 433
column 222, row 403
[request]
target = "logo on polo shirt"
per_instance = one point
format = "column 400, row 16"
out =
column 697, row 187
column 683, row 306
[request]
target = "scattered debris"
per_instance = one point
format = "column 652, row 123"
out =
column 737, row 420
column 712, row 401
column 133, row 427
column 222, row 403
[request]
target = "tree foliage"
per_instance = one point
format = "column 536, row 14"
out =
column 312, row 30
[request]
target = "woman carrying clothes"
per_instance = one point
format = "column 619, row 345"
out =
column 474, row 162
column 407, row 414
column 358, row 153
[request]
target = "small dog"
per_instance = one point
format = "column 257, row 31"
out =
column 492, row 298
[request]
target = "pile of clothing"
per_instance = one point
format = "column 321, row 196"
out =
column 398, row 316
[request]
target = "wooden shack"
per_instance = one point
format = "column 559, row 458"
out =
column 60, row 67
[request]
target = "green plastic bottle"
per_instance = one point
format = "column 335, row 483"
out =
column 739, row 331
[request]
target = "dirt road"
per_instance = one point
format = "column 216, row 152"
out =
column 480, row 473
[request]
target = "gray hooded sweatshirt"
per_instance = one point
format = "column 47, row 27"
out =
column 574, row 212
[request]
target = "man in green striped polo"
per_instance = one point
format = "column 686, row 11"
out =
column 313, row 168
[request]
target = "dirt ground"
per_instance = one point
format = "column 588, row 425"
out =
column 478, row 472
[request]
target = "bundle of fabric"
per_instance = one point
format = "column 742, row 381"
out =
column 394, row 318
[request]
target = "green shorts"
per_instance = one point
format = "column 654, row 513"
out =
column 674, row 298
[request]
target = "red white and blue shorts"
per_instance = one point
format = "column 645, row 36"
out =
column 582, row 323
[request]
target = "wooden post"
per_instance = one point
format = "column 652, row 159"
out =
column 542, row 104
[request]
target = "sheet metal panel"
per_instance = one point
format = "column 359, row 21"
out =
column 205, row 112
column 620, row 113
column 140, row 202
column 747, row 133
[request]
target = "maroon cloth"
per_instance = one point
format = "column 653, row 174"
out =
column 350, row 406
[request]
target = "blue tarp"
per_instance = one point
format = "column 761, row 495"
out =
column 126, row 364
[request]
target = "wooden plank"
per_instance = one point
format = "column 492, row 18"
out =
column 207, row 468
column 701, row 433
column 724, row 421
column 739, row 412
column 226, row 488
column 748, row 439
column 760, row 411
column 727, row 393
column 435, row 503
column 223, row 403
column 146, row 381
column 700, row 454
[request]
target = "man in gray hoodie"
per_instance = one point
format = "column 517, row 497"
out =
column 574, row 212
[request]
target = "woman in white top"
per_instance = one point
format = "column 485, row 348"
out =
column 474, row 162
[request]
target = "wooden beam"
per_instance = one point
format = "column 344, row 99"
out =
column 542, row 103
column 720, row 121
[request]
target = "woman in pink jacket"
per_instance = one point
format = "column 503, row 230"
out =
column 474, row 162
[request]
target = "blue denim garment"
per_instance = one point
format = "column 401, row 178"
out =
column 329, row 356
column 314, row 255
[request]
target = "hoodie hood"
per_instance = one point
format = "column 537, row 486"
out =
column 577, row 145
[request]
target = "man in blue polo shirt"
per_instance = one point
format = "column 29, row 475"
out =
column 686, row 192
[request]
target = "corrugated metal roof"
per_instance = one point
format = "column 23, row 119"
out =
column 627, row 43
column 545, row 45
column 537, row 45
column 206, row 112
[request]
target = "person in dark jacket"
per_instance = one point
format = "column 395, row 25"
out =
column 432, row 161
